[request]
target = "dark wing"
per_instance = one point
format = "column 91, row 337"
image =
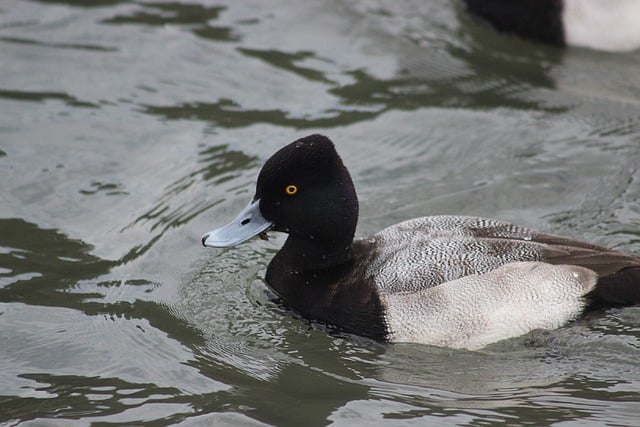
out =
column 563, row 250
column 618, row 273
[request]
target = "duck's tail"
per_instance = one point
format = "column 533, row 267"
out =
column 619, row 289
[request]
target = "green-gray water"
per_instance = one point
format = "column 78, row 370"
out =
column 128, row 129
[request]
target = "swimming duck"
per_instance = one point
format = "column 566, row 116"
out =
column 450, row 281
column 610, row 25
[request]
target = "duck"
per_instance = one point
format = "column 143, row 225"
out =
column 606, row 25
column 448, row 281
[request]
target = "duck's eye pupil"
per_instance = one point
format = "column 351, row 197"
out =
column 291, row 190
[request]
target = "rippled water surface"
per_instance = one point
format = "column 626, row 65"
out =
column 129, row 128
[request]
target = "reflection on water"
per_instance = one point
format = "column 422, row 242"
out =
column 56, row 45
column 43, row 264
column 196, row 16
column 221, row 166
column 129, row 128
column 85, row 3
column 287, row 61
column 228, row 114
column 49, row 269
column 44, row 96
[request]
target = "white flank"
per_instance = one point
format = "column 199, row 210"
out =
column 612, row 25
column 480, row 309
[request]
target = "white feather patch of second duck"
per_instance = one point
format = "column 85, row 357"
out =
column 612, row 25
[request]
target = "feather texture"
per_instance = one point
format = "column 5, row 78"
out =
column 480, row 309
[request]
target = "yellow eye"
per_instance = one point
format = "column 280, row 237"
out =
column 291, row 190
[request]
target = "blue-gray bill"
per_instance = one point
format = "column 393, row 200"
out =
column 247, row 224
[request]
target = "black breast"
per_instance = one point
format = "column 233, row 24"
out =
column 340, row 295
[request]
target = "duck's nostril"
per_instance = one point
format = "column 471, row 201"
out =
column 204, row 239
column 245, row 221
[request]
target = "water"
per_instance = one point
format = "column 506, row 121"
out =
column 128, row 129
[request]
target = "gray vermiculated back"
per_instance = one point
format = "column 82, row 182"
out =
column 424, row 252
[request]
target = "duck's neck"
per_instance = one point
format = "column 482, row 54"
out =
column 305, row 269
column 329, row 284
column 310, row 254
